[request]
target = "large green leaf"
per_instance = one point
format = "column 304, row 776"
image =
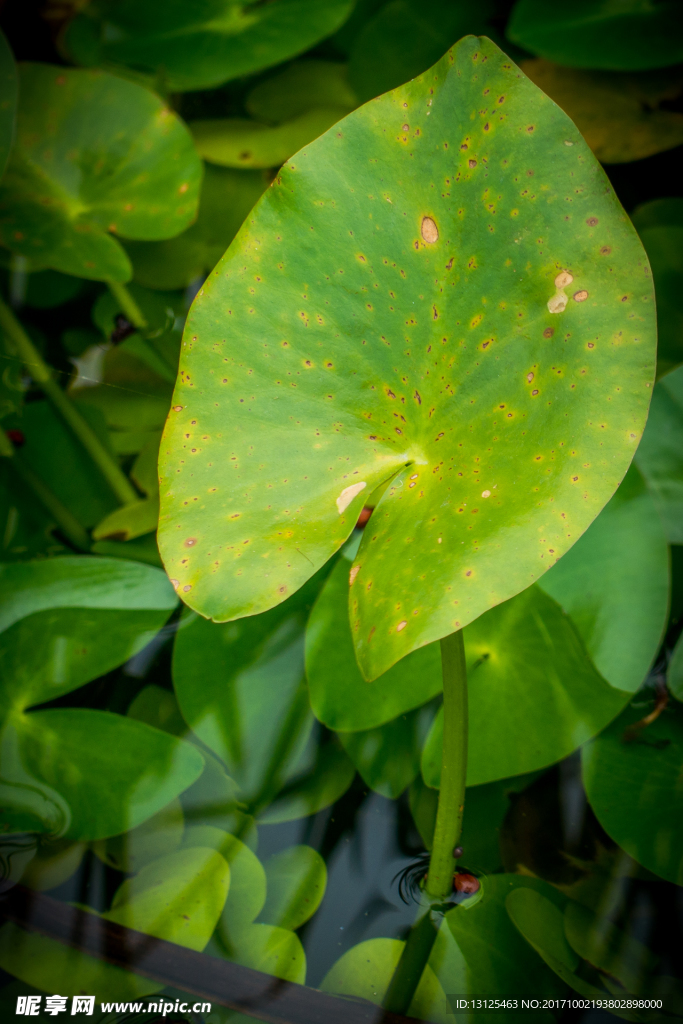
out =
column 660, row 453
column 198, row 46
column 534, row 695
column 241, row 689
column 618, row 114
column 623, row 36
column 54, row 763
column 80, row 581
column 633, row 783
column 393, row 275
column 226, row 198
column 614, row 583
column 340, row 697
column 178, row 898
column 405, row 37
column 95, row 156
column 8, row 101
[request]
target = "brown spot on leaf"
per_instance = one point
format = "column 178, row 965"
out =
column 580, row 296
column 429, row 230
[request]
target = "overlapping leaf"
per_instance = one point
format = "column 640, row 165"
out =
column 198, row 46
column 625, row 36
column 476, row 325
column 95, row 156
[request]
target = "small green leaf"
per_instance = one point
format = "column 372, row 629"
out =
column 8, row 101
column 252, row 705
column 247, row 880
column 340, row 697
column 190, row 46
column 311, row 791
column 499, row 961
column 614, row 583
column 365, row 971
column 618, row 115
column 646, row 765
column 130, row 521
column 534, row 693
column 80, row 581
column 238, row 142
column 298, row 87
column 276, row 951
column 120, row 163
column 179, row 897
column 226, row 198
column 131, row 851
column 388, row 757
column 625, row 36
column 405, row 37
column 660, row 453
column 369, row 379
column 296, row 880
column 53, row 762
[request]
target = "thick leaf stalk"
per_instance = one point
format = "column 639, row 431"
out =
column 42, row 375
column 439, row 882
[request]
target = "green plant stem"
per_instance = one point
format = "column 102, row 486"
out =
column 439, row 883
column 129, row 306
column 136, row 317
column 67, row 523
column 411, row 966
column 448, row 827
column 42, row 375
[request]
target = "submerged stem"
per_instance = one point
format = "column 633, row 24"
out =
column 453, row 768
column 439, row 883
column 42, row 375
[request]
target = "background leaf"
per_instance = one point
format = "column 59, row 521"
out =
column 190, row 47
column 619, row 115
column 340, row 697
column 648, row 825
column 366, row 970
column 68, row 751
column 8, row 101
column 119, row 163
column 388, row 757
column 614, row 584
column 226, row 198
column 298, row 87
column 296, row 879
column 534, row 695
column 599, row 34
column 660, row 453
